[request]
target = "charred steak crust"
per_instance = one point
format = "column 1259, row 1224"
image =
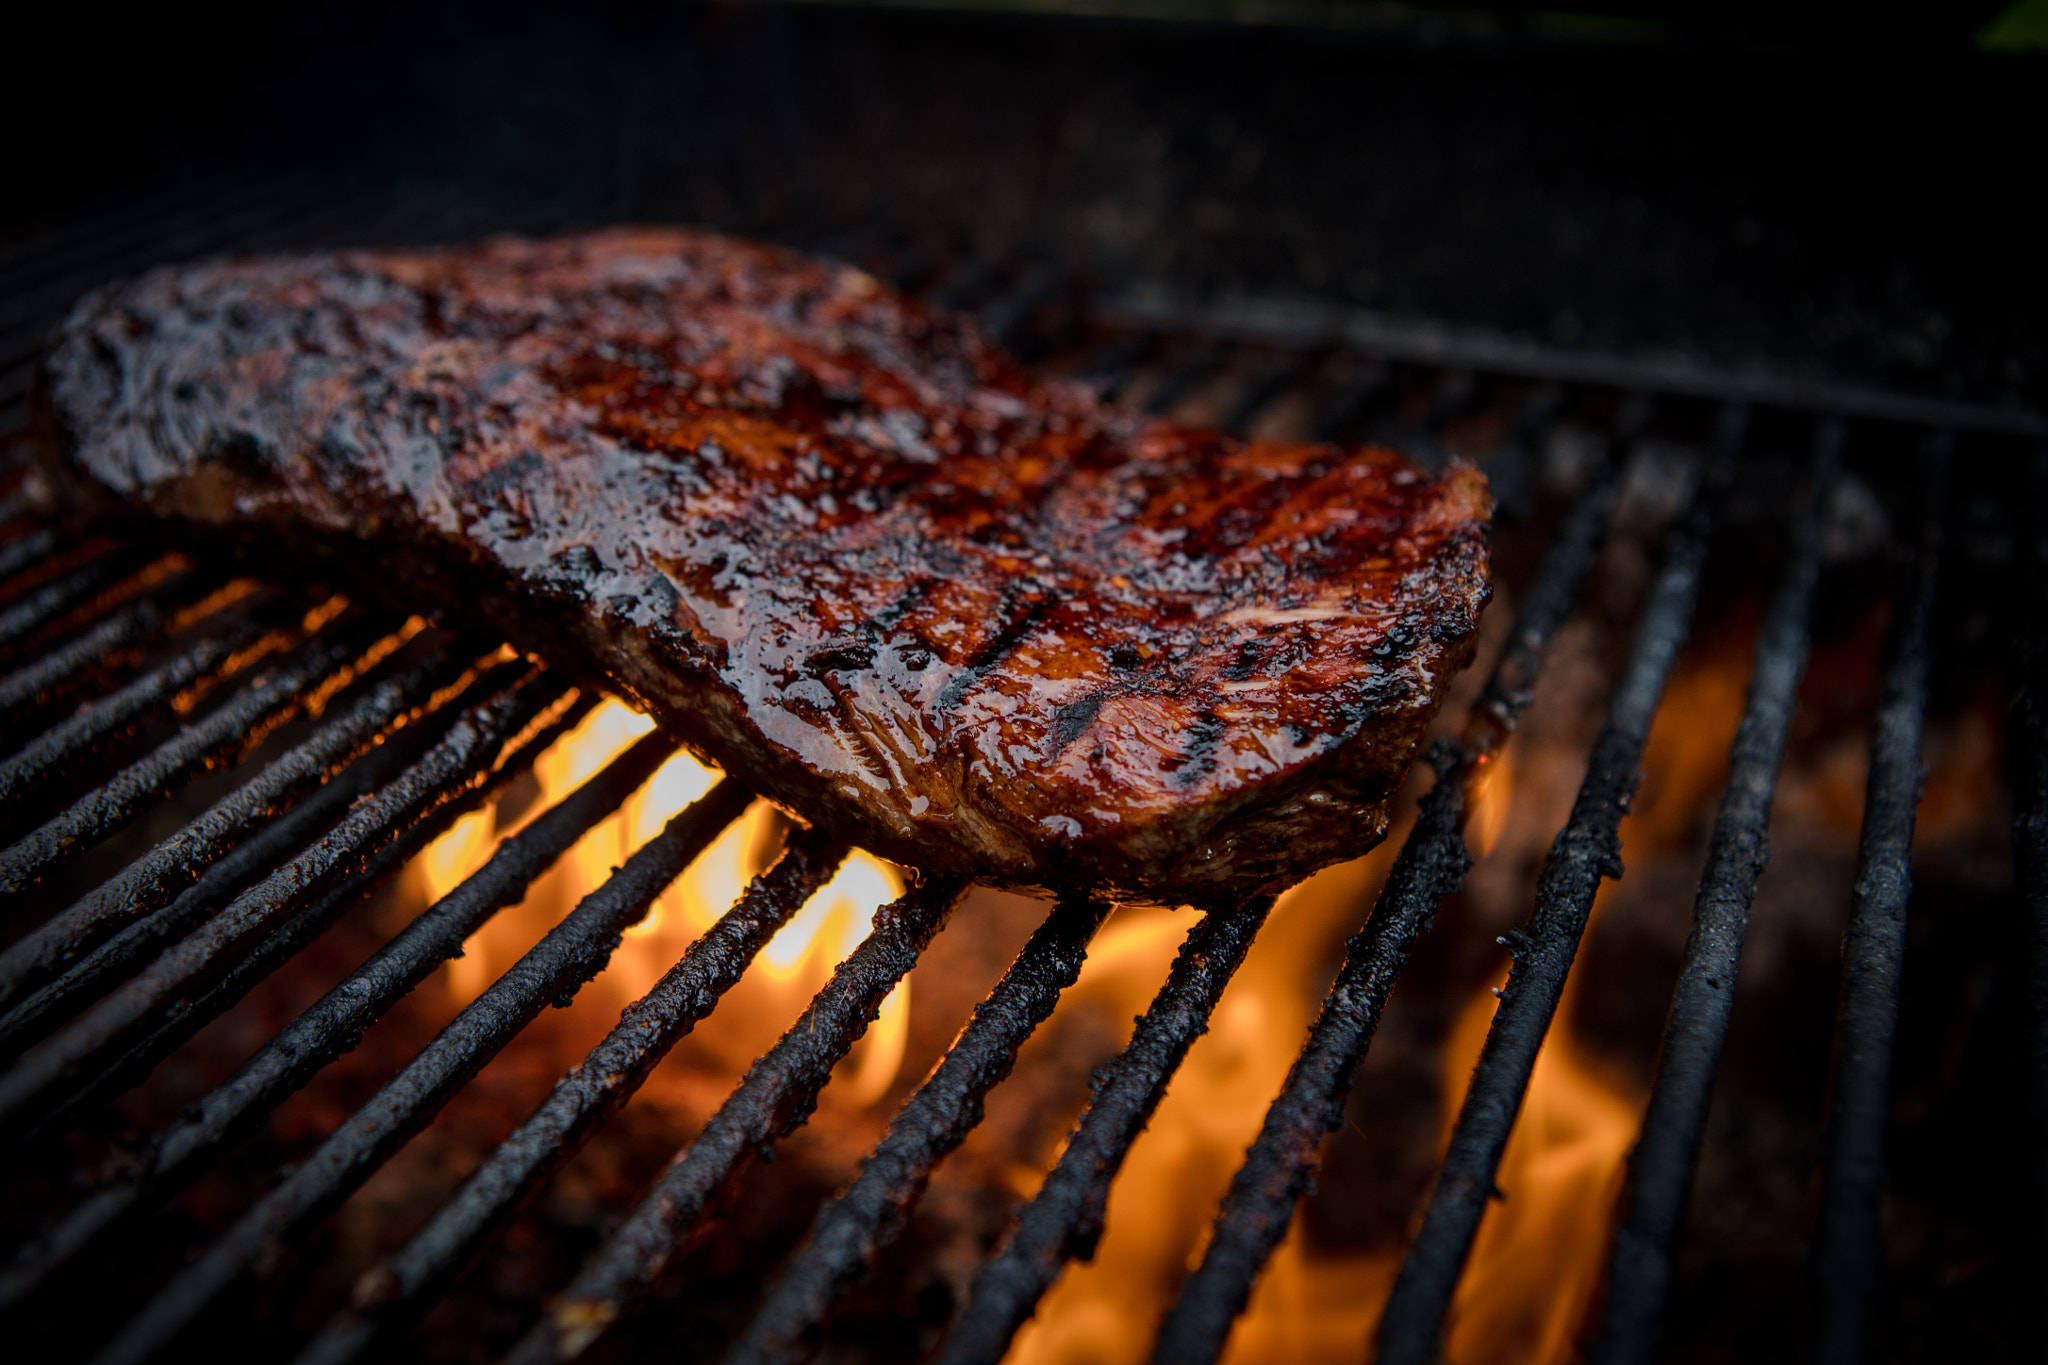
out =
column 971, row 620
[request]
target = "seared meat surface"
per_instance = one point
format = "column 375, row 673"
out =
column 971, row 620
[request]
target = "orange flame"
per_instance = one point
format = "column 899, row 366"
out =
column 1490, row 807
column 1106, row 1310
column 793, row 966
column 1538, row 1255
column 1537, row 1260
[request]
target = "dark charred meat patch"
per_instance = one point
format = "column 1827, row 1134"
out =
column 980, row 623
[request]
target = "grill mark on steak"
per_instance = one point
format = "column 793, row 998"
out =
column 1198, row 756
column 1005, row 642
column 976, row 622
column 1071, row 719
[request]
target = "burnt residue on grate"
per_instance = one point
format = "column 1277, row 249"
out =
column 111, row 645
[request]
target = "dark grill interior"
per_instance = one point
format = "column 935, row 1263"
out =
column 212, row 780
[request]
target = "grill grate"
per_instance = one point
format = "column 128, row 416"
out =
column 105, row 989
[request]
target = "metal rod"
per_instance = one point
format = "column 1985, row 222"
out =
column 451, row 770
column 1181, row 381
column 1660, row 1169
column 1262, row 392
column 553, row 970
column 29, row 687
column 1064, row 1219
column 1430, row 866
column 116, row 632
column 174, row 864
column 1353, row 402
column 23, row 551
column 40, row 606
column 1851, row 1243
column 775, row 1098
column 222, row 736
column 238, row 1106
column 1111, row 372
column 257, row 963
column 1304, row 323
column 403, row 1286
column 98, row 723
column 851, row 1230
column 1586, row 852
column 269, row 845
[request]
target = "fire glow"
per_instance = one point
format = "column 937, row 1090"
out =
column 796, row 962
column 1539, row 1254
column 1537, row 1260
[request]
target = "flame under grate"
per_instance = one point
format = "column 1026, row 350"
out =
column 404, row 734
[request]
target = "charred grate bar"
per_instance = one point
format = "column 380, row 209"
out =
column 456, row 766
column 777, row 1095
column 571, row 954
column 1873, row 958
column 223, row 735
column 397, row 1291
column 96, row 726
column 848, row 1232
column 1587, row 851
column 153, row 880
column 1260, row 1204
column 1064, row 1219
column 232, row 1111
column 91, row 620
column 264, row 844
column 391, row 848
column 1660, row 1169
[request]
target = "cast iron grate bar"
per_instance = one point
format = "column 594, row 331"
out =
column 102, row 644
column 301, row 929
column 224, row 735
column 1264, row 391
column 852, row 1229
column 1586, row 852
column 1851, row 1243
column 238, row 1106
column 461, row 762
column 155, row 879
column 38, row 608
column 776, row 1096
column 1431, row 865
column 1290, row 322
column 24, row 551
column 1660, row 1168
column 394, row 1294
column 570, row 954
column 245, row 859
column 37, row 684
column 1354, row 402
column 1182, row 380
column 102, row 723
column 1064, row 1219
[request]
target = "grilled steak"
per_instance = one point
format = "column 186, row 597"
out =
column 971, row 620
